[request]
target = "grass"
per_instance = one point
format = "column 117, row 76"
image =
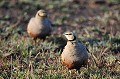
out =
column 21, row 59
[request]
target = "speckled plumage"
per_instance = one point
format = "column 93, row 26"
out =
column 74, row 55
column 39, row 26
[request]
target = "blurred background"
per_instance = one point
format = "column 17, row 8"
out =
column 96, row 23
column 64, row 14
column 90, row 19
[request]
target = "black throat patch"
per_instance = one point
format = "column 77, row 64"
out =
column 73, row 39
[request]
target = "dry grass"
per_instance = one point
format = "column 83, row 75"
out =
column 97, row 27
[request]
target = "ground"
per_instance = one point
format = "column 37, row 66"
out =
column 96, row 23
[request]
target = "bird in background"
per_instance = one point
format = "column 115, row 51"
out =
column 75, row 54
column 39, row 26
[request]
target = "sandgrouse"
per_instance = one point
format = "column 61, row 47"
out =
column 75, row 54
column 39, row 26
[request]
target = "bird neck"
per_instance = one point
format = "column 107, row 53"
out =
column 73, row 39
column 43, row 17
column 73, row 42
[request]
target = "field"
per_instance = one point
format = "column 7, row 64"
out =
column 96, row 23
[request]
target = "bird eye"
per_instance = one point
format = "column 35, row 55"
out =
column 69, row 34
column 38, row 14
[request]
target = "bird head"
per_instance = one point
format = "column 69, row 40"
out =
column 42, row 13
column 70, row 36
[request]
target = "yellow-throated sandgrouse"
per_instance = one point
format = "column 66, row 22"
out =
column 39, row 26
column 75, row 54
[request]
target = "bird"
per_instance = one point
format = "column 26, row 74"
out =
column 39, row 26
column 74, row 54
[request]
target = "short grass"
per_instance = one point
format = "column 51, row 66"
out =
column 21, row 58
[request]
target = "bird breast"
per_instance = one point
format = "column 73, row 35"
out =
column 74, row 52
column 38, row 26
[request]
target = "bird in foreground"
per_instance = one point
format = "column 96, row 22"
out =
column 75, row 54
column 39, row 26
